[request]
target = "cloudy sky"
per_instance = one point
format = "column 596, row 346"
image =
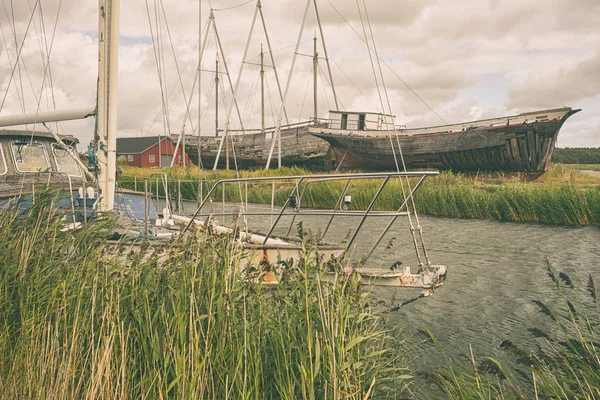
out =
column 443, row 61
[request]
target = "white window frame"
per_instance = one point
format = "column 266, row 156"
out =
column 14, row 157
column 130, row 157
column 151, row 158
column 4, row 161
column 54, row 146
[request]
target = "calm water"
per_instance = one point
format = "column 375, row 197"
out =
column 495, row 270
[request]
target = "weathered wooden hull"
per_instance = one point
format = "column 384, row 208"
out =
column 298, row 147
column 522, row 143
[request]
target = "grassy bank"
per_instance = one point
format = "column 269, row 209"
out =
column 78, row 322
column 563, row 195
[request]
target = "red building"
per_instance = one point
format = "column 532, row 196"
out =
column 146, row 152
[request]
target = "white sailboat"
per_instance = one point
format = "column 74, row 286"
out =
column 261, row 249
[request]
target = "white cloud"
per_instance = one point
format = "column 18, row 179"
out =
column 467, row 59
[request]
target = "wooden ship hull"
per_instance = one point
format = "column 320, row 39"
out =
column 523, row 143
column 251, row 148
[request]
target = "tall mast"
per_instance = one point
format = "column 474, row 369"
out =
column 198, row 124
column 217, row 95
column 262, row 91
column 335, row 99
column 108, row 53
column 315, row 66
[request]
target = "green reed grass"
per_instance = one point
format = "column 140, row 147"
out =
column 84, row 318
column 561, row 196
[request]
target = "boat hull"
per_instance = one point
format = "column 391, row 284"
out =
column 522, row 143
column 298, row 148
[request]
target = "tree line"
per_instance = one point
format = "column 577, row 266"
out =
column 577, row 155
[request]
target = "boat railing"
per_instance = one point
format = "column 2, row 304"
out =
column 289, row 192
column 355, row 125
column 268, row 130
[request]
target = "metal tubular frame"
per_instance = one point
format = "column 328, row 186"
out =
column 301, row 184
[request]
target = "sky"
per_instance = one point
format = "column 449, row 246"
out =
column 441, row 61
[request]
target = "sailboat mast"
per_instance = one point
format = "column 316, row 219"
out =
column 198, row 124
column 217, row 96
column 315, row 67
column 108, row 52
column 262, row 91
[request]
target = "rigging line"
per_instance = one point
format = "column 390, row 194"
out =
column 324, row 91
column 251, row 101
column 17, row 60
column 169, row 94
column 6, row 46
column 324, row 77
column 175, row 85
column 156, row 59
column 354, row 84
column 232, row 7
column 375, row 74
column 419, row 228
column 231, row 141
column 38, row 36
column 161, row 55
column 290, row 46
column 412, row 228
column 41, row 39
column 177, row 67
column 304, row 100
column 387, row 65
column 8, row 53
column 210, row 91
column 271, row 104
column 46, row 65
column 160, row 67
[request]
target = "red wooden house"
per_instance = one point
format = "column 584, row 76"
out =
column 146, row 152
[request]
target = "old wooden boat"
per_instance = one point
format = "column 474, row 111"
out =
column 250, row 148
column 521, row 143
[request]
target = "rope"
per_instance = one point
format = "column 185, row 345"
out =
column 47, row 64
column 12, row 73
column 8, row 54
column 324, row 92
column 304, row 100
column 271, row 104
column 48, row 50
column 420, row 229
column 232, row 7
column 177, row 66
column 324, row 77
column 173, row 87
column 14, row 26
column 386, row 64
column 157, row 60
column 412, row 228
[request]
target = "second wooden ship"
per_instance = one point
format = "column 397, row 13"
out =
column 519, row 143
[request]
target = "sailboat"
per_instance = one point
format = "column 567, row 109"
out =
column 29, row 153
column 288, row 144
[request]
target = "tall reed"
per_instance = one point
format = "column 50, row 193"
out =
column 562, row 196
column 82, row 317
column 562, row 362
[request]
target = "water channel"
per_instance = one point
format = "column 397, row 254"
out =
column 495, row 269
